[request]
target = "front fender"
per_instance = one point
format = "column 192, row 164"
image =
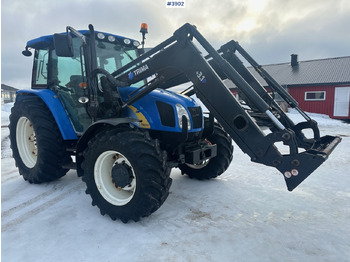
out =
column 95, row 128
column 55, row 106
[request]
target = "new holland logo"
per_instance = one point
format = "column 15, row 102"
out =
column 138, row 71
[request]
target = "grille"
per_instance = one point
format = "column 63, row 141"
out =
column 196, row 114
column 167, row 114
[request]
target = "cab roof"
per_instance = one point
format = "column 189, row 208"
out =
column 47, row 40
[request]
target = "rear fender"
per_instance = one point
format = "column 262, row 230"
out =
column 55, row 106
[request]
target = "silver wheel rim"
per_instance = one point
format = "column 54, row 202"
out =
column 26, row 142
column 103, row 178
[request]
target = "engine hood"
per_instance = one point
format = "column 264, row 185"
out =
column 146, row 110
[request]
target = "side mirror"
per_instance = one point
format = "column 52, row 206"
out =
column 26, row 52
column 63, row 45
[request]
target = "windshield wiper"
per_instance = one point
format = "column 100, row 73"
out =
column 132, row 59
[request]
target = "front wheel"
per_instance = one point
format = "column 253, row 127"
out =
column 126, row 174
column 213, row 167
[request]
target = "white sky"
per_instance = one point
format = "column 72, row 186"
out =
column 270, row 30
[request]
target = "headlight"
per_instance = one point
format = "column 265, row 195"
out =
column 181, row 111
column 127, row 41
column 111, row 38
column 100, row 36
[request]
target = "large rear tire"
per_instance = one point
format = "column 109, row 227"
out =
column 36, row 142
column 126, row 174
column 215, row 166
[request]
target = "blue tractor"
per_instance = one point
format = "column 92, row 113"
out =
column 100, row 104
column 123, row 153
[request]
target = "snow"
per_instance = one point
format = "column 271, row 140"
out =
column 244, row 215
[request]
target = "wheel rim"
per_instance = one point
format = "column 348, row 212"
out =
column 26, row 142
column 103, row 178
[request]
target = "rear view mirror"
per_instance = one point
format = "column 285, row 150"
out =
column 26, row 52
column 63, row 45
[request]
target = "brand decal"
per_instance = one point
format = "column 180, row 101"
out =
column 143, row 121
column 201, row 77
column 138, row 71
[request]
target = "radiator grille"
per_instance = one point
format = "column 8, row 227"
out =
column 167, row 114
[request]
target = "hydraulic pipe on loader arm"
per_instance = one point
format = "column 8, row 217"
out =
column 178, row 58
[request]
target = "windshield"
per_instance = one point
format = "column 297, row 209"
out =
column 111, row 57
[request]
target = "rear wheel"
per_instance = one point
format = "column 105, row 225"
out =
column 215, row 166
column 126, row 174
column 36, row 142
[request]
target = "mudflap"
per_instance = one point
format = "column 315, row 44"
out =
column 298, row 167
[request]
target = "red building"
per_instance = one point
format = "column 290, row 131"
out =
column 320, row 86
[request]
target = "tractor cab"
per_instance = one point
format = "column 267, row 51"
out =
column 69, row 74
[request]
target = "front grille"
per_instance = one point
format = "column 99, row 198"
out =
column 166, row 113
column 196, row 114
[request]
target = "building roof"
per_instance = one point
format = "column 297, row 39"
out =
column 311, row 72
column 8, row 88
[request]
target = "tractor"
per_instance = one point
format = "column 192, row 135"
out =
column 103, row 105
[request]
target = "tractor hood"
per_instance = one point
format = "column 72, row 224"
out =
column 158, row 110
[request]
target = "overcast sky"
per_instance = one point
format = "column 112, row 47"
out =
column 270, row 30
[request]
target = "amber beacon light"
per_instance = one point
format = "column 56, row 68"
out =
column 143, row 31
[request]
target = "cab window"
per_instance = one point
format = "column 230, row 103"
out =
column 40, row 76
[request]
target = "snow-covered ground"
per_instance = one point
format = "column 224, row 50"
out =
column 245, row 215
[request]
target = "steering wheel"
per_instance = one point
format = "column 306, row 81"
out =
column 110, row 78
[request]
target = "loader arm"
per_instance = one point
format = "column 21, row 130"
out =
column 178, row 60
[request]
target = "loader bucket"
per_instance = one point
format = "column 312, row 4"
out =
column 298, row 167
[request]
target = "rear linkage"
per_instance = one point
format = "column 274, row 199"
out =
column 177, row 60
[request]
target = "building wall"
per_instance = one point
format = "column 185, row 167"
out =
column 8, row 96
column 322, row 107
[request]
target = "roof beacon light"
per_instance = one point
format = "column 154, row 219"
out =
column 144, row 28
column 143, row 31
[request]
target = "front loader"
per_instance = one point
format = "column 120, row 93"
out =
column 101, row 100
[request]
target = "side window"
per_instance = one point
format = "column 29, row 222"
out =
column 40, row 66
column 315, row 96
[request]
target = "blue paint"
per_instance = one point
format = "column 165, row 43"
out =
column 56, row 108
column 147, row 106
